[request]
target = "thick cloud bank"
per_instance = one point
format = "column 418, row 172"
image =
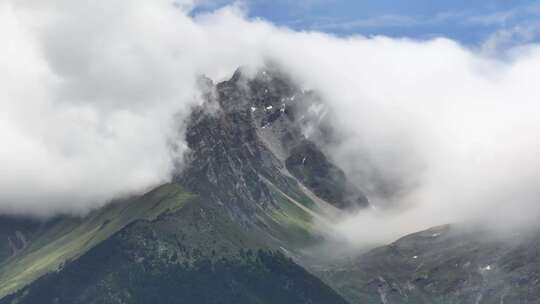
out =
column 88, row 95
column 433, row 130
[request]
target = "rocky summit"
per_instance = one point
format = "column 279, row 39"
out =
column 247, row 143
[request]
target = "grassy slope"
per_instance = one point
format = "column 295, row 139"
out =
column 68, row 238
column 191, row 255
column 65, row 239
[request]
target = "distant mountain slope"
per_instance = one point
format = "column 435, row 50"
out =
column 445, row 265
column 194, row 254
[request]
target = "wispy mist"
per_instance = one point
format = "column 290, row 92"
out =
column 433, row 131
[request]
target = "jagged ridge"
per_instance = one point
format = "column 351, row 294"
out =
column 255, row 137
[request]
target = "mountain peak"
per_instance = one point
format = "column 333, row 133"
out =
column 247, row 151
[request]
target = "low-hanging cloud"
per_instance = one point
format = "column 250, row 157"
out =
column 434, row 132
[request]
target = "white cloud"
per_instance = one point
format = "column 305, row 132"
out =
column 88, row 95
column 506, row 39
column 90, row 89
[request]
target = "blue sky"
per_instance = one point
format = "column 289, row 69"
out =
column 469, row 21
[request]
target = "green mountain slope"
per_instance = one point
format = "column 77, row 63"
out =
column 190, row 254
column 66, row 238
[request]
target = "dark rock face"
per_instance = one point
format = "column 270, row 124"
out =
column 445, row 265
column 248, row 135
column 311, row 167
column 226, row 160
